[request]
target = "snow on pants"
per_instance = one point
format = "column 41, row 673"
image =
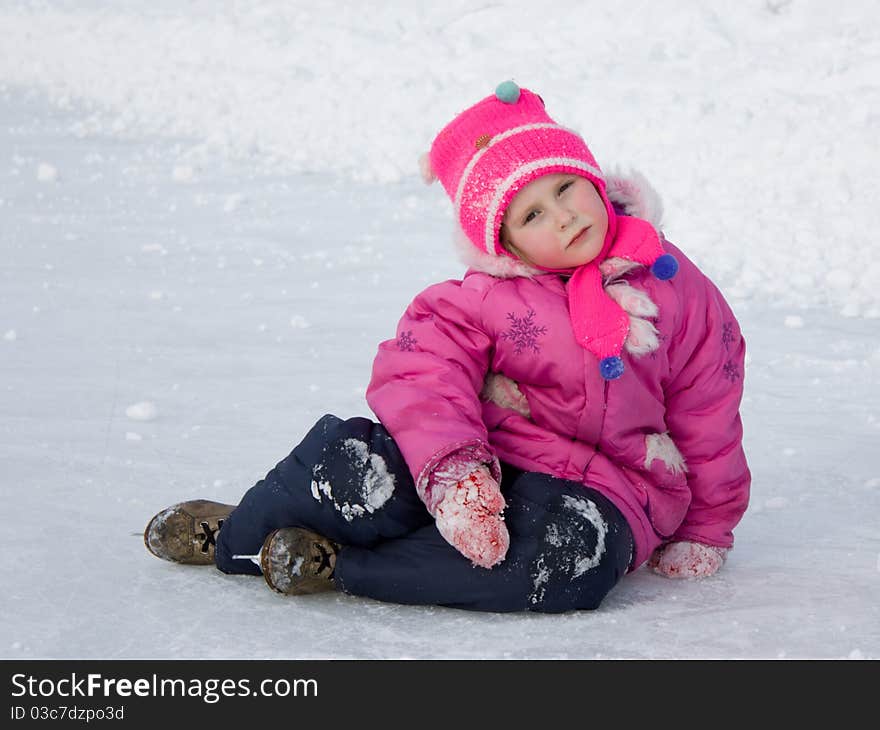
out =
column 347, row 480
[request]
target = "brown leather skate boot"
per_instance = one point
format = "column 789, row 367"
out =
column 185, row 532
column 297, row 561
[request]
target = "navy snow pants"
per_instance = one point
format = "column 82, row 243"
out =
column 347, row 480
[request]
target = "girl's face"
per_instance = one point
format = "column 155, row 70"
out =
column 557, row 221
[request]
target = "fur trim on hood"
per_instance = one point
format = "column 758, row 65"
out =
column 632, row 192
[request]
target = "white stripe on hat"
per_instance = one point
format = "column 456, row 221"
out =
column 520, row 172
column 492, row 142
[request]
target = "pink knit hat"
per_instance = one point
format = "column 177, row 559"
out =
column 493, row 149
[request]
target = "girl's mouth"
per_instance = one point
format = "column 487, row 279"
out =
column 579, row 237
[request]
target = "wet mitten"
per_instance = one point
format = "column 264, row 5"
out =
column 687, row 560
column 469, row 518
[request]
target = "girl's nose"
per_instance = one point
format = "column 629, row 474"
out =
column 564, row 218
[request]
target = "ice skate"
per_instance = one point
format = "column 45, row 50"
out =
column 296, row 561
column 186, row 532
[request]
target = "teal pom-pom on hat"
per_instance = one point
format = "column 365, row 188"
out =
column 508, row 92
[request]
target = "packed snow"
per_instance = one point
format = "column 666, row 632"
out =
column 211, row 213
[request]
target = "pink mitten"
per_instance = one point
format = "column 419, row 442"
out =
column 687, row 560
column 469, row 518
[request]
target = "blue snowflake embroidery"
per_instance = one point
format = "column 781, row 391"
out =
column 523, row 332
column 406, row 341
column 727, row 334
column 731, row 371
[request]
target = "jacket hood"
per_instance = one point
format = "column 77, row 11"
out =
column 630, row 193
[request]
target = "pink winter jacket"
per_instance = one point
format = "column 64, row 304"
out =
column 488, row 368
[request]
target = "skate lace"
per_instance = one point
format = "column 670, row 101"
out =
column 208, row 534
column 323, row 560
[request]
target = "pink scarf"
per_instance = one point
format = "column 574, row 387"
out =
column 600, row 323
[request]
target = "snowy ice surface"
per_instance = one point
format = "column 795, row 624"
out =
column 215, row 208
column 143, row 411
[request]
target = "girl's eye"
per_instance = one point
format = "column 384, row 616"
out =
column 565, row 186
column 530, row 217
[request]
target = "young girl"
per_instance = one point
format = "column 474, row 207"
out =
column 564, row 414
